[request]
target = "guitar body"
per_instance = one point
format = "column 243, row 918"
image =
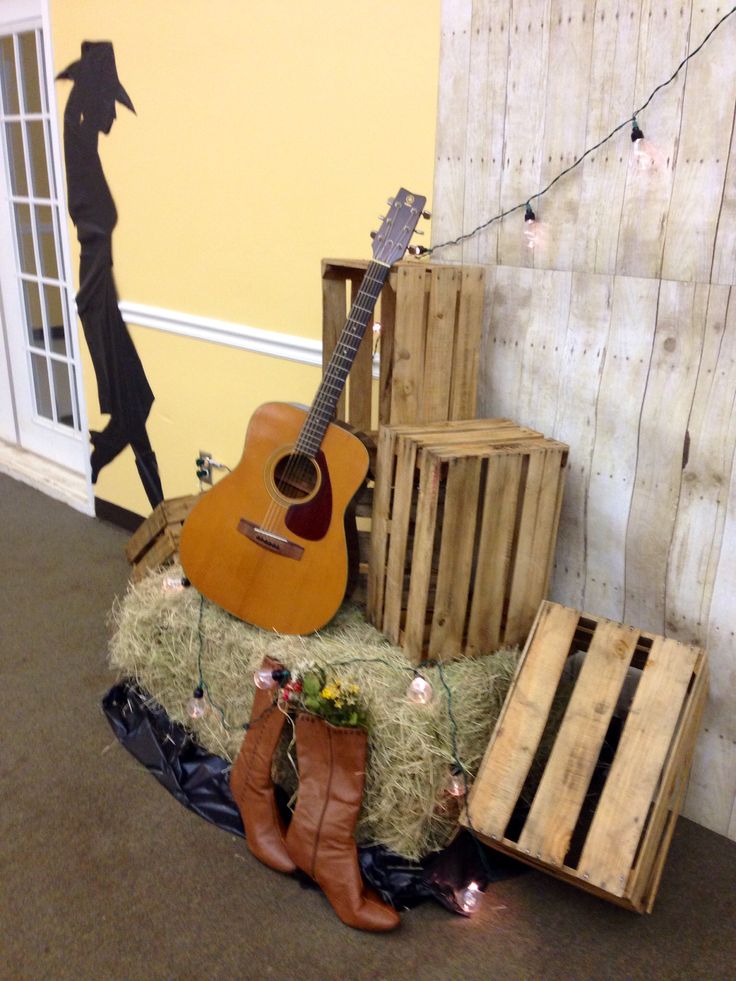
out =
column 267, row 543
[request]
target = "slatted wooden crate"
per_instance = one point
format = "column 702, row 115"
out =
column 603, row 810
column 431, row 319
column 156, row 540
column 465, row 519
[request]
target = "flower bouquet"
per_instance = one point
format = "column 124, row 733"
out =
column 332, row 699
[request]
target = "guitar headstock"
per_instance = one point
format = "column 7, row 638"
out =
column 392, row 238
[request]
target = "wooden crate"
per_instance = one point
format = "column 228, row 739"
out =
column 464, row 526
column 605, row 805
column 156, row 540
column 431, row 319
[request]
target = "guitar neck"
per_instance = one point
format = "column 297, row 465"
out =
column 333, row 381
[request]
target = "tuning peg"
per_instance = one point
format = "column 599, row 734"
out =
column 417, row 250
column 418, row 231
column 427, row 215
column 381, row 217
column 389, row 202
column 373, row 234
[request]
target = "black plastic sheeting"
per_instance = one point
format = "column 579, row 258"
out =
column 200, row 780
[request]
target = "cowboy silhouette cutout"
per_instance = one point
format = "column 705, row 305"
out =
column 122, row 386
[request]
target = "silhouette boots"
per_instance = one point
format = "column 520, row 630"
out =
column 320, row 837
column 251, row 784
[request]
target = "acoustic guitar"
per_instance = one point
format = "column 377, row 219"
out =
column 267, row 543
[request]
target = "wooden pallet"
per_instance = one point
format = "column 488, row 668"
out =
column 156, row 541
column 464, row 525
column 604, row 808
column 431, row 317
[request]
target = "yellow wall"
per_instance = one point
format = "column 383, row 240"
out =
column 267, row 137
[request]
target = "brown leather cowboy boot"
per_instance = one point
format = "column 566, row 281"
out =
column 251, row 784
column 320, row 837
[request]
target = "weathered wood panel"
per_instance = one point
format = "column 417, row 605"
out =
column 617, row 333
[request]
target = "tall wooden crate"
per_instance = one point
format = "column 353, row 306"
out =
column 431, row 318
column 465, row 518
column 602, row 809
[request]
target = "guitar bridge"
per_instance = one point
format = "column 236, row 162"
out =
column 270, row 540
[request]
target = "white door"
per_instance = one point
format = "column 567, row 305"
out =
column 40, row 388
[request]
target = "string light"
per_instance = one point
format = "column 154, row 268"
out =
column 530, row 227
column 266, row 678
column 420, row 250
column 645, row 153
column 469, row 898
column 419, row 691
column 197, row 706
column 456, row 781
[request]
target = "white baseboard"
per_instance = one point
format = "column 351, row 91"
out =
column 49, row 478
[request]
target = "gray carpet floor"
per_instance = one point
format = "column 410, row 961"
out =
column 103, row 875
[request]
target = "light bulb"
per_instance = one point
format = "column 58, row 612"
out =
column 264, row 679
column 645, row 152
column 196, row 706
column 470, row 897
column 419, row 691
column 456, row 783
column 531, row 228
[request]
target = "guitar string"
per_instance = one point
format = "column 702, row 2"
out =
column 332, row 384
column 317, row 419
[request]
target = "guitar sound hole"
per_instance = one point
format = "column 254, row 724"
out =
column 296, row 476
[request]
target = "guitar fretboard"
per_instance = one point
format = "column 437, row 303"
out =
column 333, row 382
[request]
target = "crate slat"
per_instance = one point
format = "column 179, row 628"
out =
column 421, row 571
column 494, row 554
column 380, row 520
column 456, row 558
column 520, row 726
column 466, row 356
column 400, row 517
column 386, row 360
column 645, row 877
column 561, row 793
column 407, row 382
column 619, row 819
column 440, row 345
column 360, row 380
column 540, row 510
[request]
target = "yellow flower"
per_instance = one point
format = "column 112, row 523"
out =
column 330, row 692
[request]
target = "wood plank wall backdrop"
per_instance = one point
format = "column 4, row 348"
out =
column 617, row 334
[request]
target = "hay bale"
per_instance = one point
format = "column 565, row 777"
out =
column 162, row 638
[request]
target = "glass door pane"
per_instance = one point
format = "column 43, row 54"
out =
column 36, row 214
